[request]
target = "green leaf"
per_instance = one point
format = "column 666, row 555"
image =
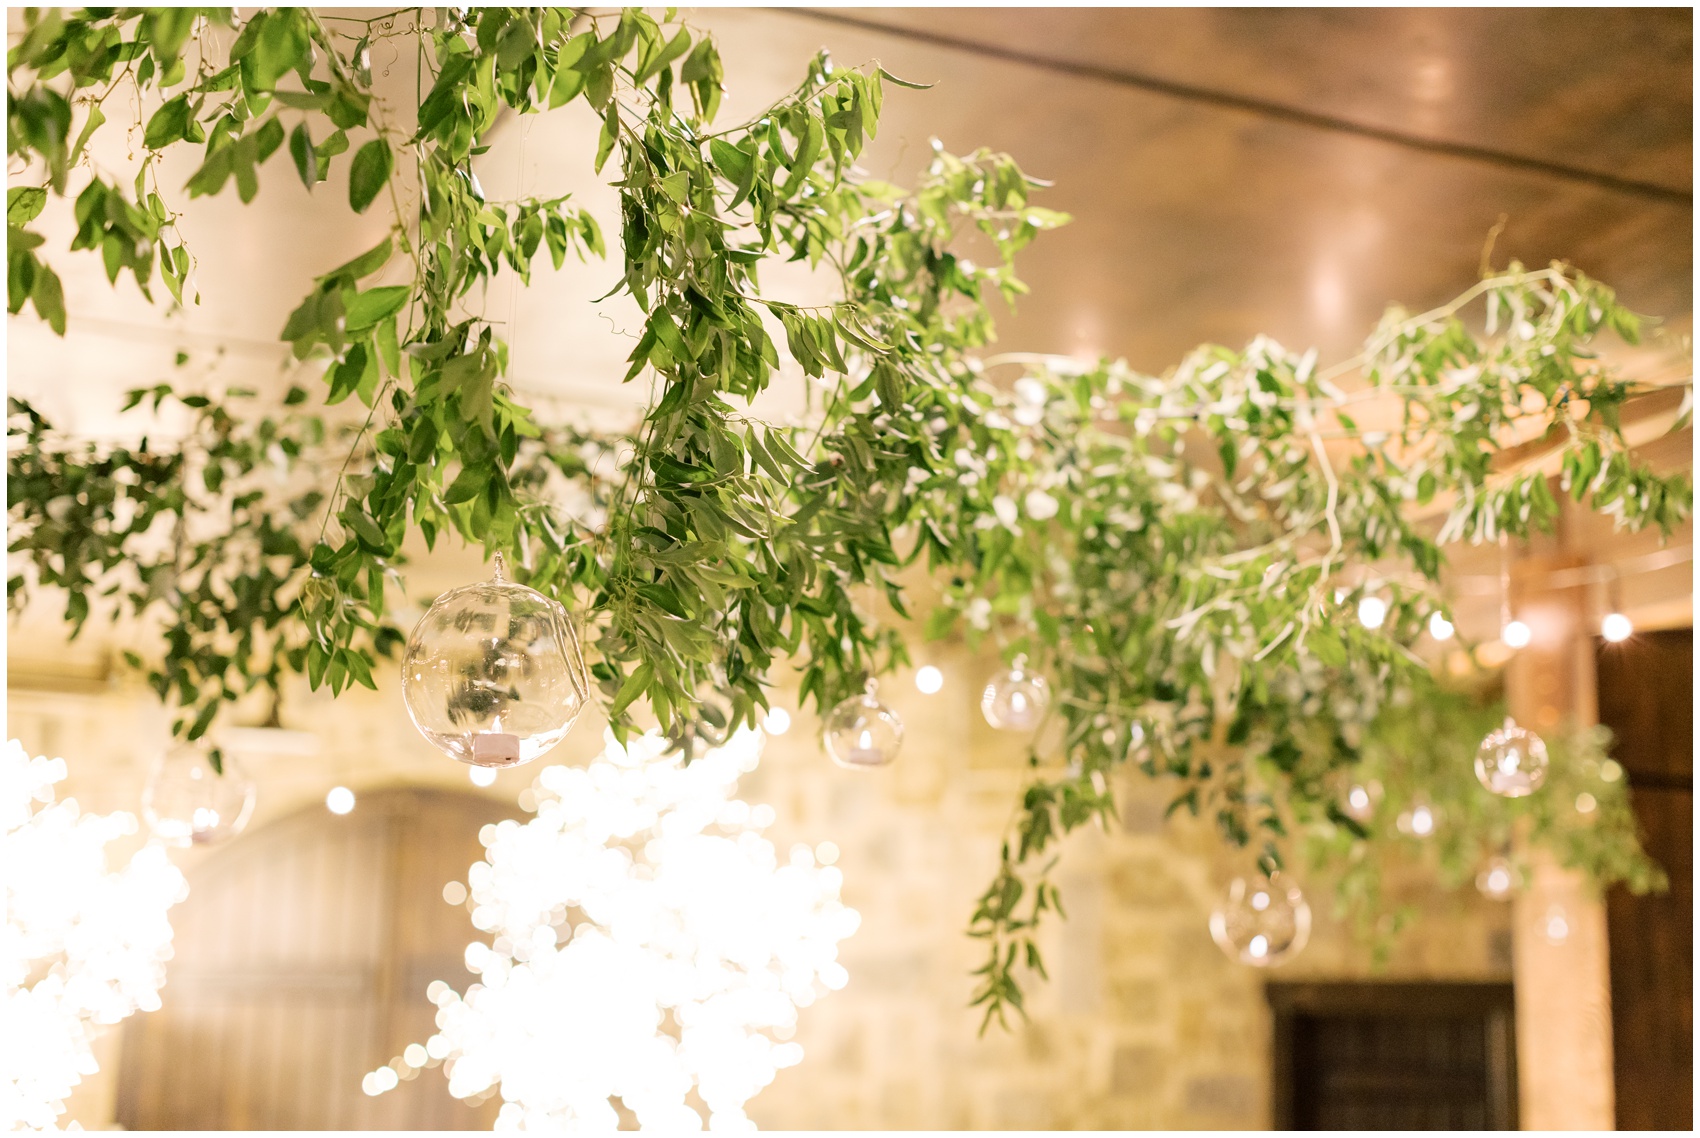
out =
column 368, row 174
column 630, row 690
column 24, row 204
column 679, row 44
column 202, row 721
column 365, row 264
column 90, row 125
column 168, row 124
column 610, row 133
column 890, row 78
column 301, row 150
column 365, row 309
column 49, row 298
column 468, row 484
column 280, row 47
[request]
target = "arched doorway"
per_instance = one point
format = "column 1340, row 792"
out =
column 302, row 958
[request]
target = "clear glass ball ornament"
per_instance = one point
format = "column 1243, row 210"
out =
column 862, row 732
column 1512, row 761
column 186, row 802
column 1498, row 879
column 493, row 675
column 1262, row 921
column 1015, row 698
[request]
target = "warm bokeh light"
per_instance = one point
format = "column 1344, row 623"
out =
column 1516, row 634
column 1616, row 627
column 929, row 680
column 340, row 800
column 647, row 944
column 81, row 948
column 1372, row 612
column 1439, row 627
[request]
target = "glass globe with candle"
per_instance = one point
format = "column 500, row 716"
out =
column 492, row 675
column 1015, row 698
column 863, row 733
column 1262, row 921
column 187, row 802
column 1512, row 761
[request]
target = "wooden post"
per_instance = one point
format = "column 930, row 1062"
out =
column 1563, row 984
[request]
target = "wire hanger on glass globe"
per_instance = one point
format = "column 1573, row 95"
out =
column 1512, row 760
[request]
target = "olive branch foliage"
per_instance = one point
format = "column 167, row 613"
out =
column 1178, row 552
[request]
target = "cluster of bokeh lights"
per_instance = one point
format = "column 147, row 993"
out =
column 646, row 944
column 81, row 947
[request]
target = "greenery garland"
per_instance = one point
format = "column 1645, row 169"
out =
column 1181, row 554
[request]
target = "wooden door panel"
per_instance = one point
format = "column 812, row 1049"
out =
column 302, row 957
column 1646, row 697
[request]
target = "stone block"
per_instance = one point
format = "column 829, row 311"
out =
column 1221, row 1096
column 1136, row 1070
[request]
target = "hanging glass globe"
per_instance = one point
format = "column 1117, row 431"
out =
column 186, row 802
column 1262, row 921
column 1498, row 879
column 1015, row 698
column 862, row 732
column 492, row 675
column 1512, row 761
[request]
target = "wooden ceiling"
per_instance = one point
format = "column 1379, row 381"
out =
column 1235, row 171
column 1230, row 172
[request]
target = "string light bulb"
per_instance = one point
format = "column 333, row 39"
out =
column 1372, row 612
column 777, row 721
column 1498, row 879
column 863, row 733
column 1360, row 800
column 1615, row 626
column 1419, row 821
column 1513, row 633
column 928, row 680
column 340, row 800
column 1439, row 627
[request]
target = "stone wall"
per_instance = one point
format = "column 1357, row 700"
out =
column 1144, row 1024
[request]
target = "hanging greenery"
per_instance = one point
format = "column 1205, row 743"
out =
column 1182, row 555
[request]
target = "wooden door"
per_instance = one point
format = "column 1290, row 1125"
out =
column 302, row 958
column 1394, row 1056
column 1646, row 696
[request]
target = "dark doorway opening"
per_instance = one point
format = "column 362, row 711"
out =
column 1646, row 697
column 1386, row 1056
